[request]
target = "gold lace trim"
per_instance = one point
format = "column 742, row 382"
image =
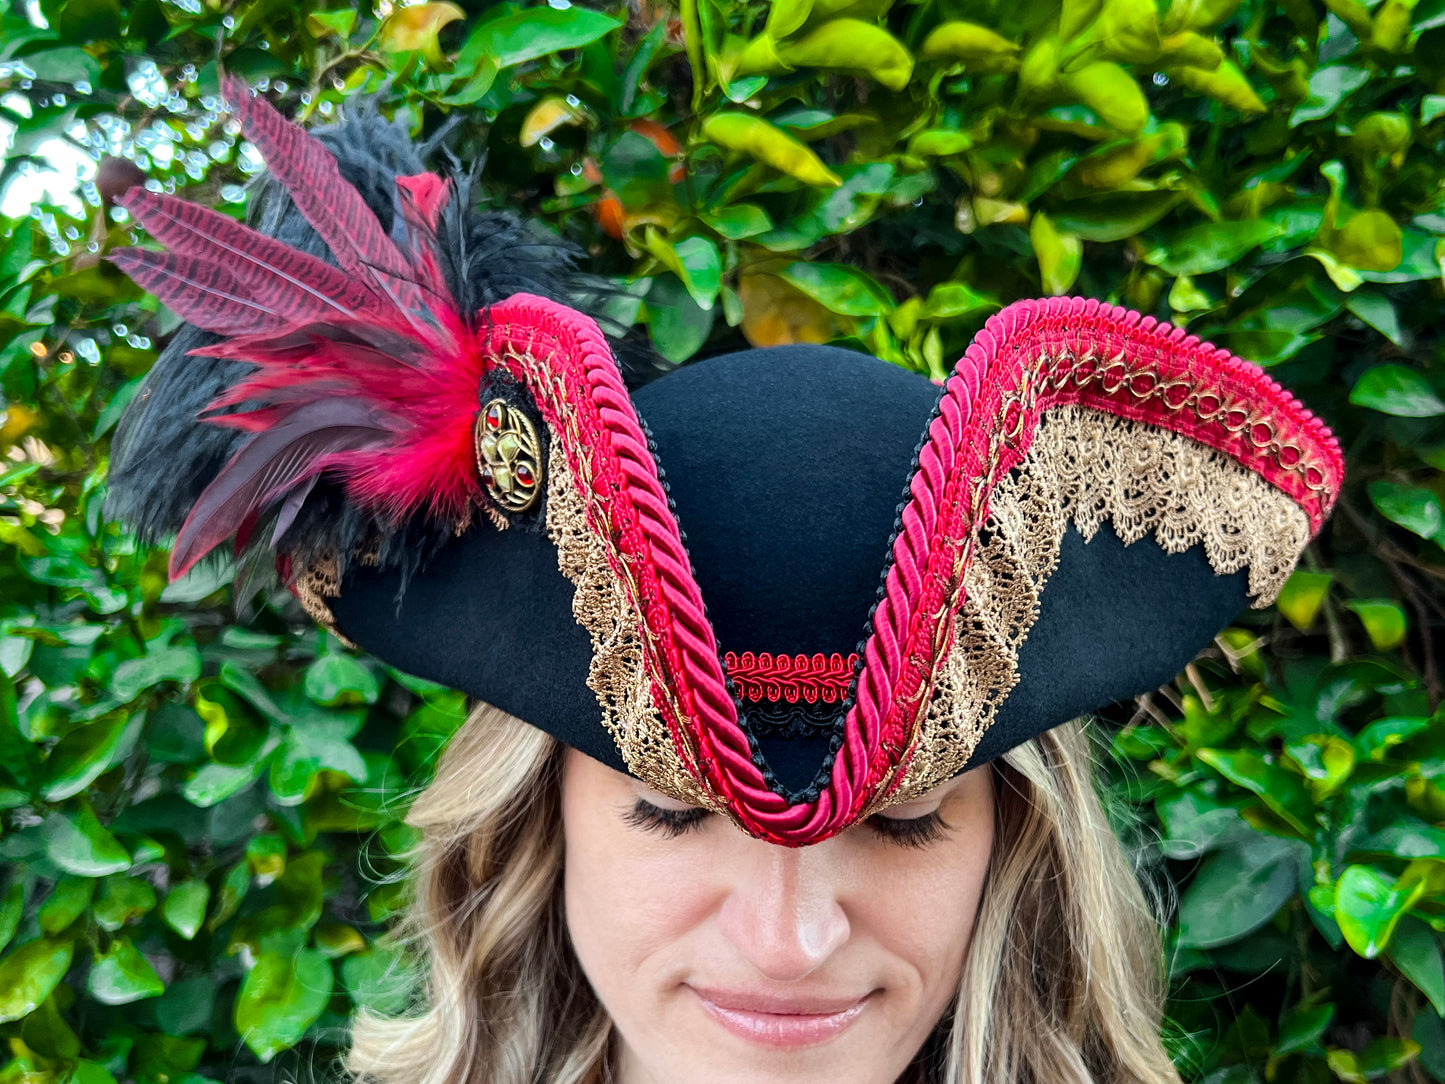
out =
column 321, row 581
column 618, row 673
column 1085, row 467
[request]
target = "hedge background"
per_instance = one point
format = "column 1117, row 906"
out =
column 200, row 812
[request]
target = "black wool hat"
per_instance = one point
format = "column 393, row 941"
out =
column 795, row 585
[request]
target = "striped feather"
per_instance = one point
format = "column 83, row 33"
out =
column 334, row 208
column 200, row 291
column 285, row 279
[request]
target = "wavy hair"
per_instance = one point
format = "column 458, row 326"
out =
column 1063, row 983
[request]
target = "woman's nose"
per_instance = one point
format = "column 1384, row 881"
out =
column 783, row 912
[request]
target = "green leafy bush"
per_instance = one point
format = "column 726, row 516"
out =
column 200, row 817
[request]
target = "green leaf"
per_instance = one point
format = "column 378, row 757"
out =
column 216, row 782
column 107, row 418
column 121, row 975
column 1195, row 823
column 1368, row 906
column 135, row 676
column 184, row 908
column 1394, row 389
column 1303, row 1029
column 1111, row 92
column 839, row 288
column 1377, row 738
column 753, row 136
column 1302, row 596
column 532, row 33
column 86, row 752
column 787, row 16
column 678, row 324
column 1376, row 310
column 852, row 45
column 1369, row 241
column 977, row 46
column 1382, row 1056
column 29, row 974
column 415, row 28
column 1211, row 246
column 280, row 998
column 121, row 900
column 339, row 23
column 1384, row 622
column 1417, row 510
column 1060, row 255
column 308, row 749
column 66, row 902
column 949, row 300
column 1236, row 891
column 79, row 844
column 738, row 221
column 1326, row 761
column 1415, row 950
column 695, row 261
column 12, row 904
column 68, row 64
column 1115, row 216
column 335, row 679
column 1328, row 87
column 1281, row 791
column 1224, row 83
column 380, row 980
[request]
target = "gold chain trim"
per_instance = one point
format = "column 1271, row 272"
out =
column 618, row 673
column 1085, row 467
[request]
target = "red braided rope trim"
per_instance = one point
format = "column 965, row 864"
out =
column 790, row 677
column 564, row 360
column 1032, row 356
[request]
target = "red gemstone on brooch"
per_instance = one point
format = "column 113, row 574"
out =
column 494, row 416
column 525, row 475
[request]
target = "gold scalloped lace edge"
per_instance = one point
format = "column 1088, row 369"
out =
column 618, row 673
column 1087, row 467
column 321, row 581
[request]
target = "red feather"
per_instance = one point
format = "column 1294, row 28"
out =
column 203, row 292
column 335, row 210
column 266, row 468
column 293, row 282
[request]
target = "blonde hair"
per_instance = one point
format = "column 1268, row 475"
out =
column 1063, row 983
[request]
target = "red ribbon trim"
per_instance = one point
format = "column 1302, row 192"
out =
column 774, row 678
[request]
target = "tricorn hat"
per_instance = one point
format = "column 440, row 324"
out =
column 794, row 585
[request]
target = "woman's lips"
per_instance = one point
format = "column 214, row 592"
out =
column 775, row 1021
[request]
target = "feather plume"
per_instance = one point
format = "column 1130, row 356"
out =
column 354, row 284
column 270, row 466
column 285, row 280
column 203, row 292
column 366, row 372
column 335, row 210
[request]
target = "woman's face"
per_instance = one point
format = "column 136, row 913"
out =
column 721, row 958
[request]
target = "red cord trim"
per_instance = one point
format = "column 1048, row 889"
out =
column 1033, row 356
column 790, row 677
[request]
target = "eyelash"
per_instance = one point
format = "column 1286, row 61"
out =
column 671, row 823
